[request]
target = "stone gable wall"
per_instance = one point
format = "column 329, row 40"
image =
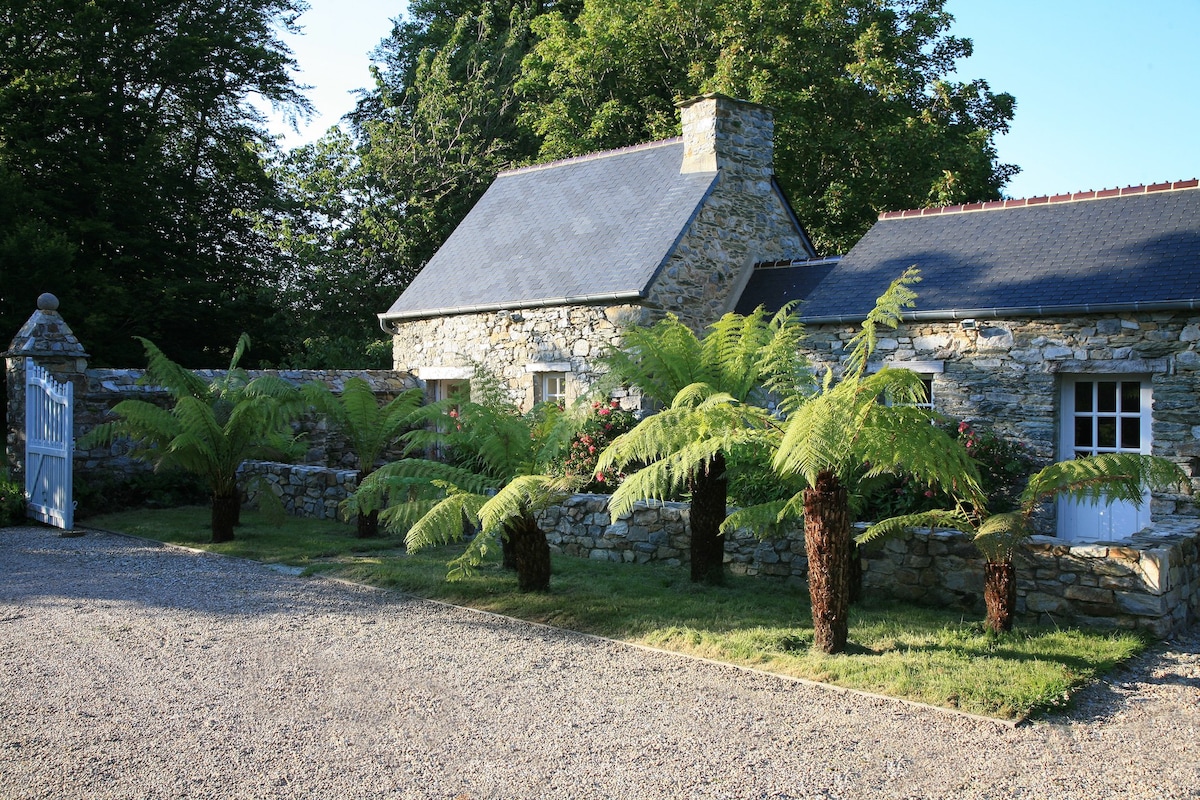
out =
column 744, row 220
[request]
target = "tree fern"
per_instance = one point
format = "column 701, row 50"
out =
column 497, row 484
column 211, row 428
column 706, row 385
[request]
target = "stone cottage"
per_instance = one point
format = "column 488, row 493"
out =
column 554, row 259
column 1070, row 323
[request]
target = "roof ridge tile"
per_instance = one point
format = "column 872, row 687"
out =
column 591, row 156
column 1025, row 202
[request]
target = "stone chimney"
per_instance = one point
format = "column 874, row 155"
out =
column 734, row 136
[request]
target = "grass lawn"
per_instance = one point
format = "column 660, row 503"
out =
column 932, row 656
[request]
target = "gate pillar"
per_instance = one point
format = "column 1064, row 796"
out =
column 48, row 340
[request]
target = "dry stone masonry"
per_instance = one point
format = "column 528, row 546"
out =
column 515, row 345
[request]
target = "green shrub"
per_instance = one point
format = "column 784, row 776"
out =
column 12, row 502
column 168, row 489
column 1004, row 467
column 752, row 479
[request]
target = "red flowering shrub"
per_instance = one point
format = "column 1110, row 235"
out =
column 605, row 422
column 1004, row 467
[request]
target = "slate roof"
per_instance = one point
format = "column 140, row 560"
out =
column 590, row 229
column 1116, row 250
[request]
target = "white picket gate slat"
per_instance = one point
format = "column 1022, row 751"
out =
column 49, row 441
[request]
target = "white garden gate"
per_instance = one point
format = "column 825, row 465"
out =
column 49, row 440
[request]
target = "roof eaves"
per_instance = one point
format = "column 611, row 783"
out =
column 483, row 308
column 1190, row 304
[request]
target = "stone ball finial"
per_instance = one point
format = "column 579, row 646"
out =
column 47, row 302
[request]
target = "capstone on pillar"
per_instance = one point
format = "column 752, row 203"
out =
column 47, row 339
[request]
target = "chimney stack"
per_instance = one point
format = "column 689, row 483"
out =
column 734, row 136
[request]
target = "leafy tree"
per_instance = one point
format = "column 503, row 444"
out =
column 502, row 479
column 210, row 429
column 1104, row 478
column 333, row 272
column 441, row 121
column 866, row 119
column 715, row 390
column 370, row 427
column 842, row 434
column 128, row 151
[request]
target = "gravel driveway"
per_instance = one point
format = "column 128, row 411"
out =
column 129, row 670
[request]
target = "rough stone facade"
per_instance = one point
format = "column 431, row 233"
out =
column 514, row 345
column 1007, row 375
column 743, row 222
column 305, row 491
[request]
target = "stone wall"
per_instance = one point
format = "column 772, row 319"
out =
column 101, row 389
column 1007, row 374
column 1151, row 583
column 306, row 491
column 515, row 345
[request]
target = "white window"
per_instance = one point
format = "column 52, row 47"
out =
column 1107, row 416
column 445, row 389
column 549, row 381
column 550, row 387
column 926, row 369
column 1104, row 414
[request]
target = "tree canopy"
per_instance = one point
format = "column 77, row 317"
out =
column 139, row 185
column 867, row 119
column 129, row 154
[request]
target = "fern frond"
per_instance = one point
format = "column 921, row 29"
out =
column 655, row 481
column 955, row 519
column 403, row 474
column 764, row 520
column 888, row 312
column 1107, row 477
column 522, row 495
column 443, row 523
column 901, row 440
column 165, row 373
column 659, row 360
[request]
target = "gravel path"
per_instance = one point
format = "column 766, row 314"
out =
column 134, row 671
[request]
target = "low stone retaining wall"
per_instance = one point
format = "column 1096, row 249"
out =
column 314, row 492
column 1151, row 583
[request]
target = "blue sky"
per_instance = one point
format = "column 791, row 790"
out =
column 1108, row 91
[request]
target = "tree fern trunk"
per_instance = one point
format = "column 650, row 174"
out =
column 1000, row 594
column 827, row 541
column 854, row 566
column 531, row 552
column 367, row 525
column 709, row 489
column 224, row 517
